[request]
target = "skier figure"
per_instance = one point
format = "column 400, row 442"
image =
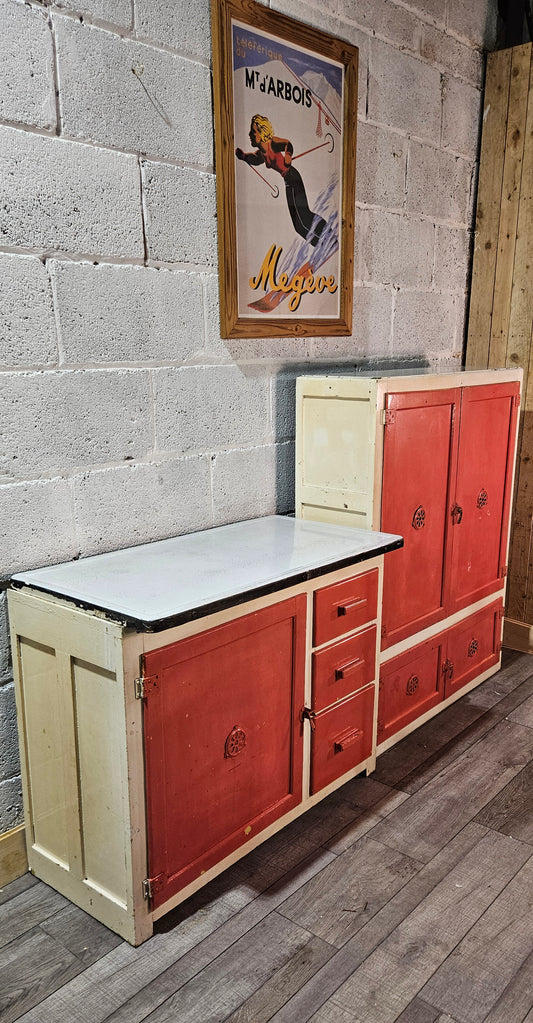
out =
column 276, row 154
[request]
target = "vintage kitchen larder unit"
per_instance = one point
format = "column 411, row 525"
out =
column 181, row 701
column 430, row 457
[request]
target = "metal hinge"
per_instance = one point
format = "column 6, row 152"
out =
column 383, row 630
column 152, row 885
column 306, row 712
column 387, row 417
column 503, row 571
column 145, row 685
column 516, row 400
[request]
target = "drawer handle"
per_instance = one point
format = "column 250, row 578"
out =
column 350, row 605
column 348, row 668
column 347, row 740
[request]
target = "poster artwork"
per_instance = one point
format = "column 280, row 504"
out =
column 288, row 117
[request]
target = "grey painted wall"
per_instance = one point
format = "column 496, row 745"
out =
column 124, row 416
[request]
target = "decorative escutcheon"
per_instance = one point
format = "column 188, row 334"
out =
column 235, row 742
column 412, row 685
column 482, row 499
column 472, row 649
column 419, row 518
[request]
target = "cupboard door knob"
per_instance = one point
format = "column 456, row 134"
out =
column 350, row 605
column 457, row 514
column 412, row 685
column 347, row 740
column 346, row 669
column 473, row 647
column 419, row 518
column 447, row 669
column 482, row 498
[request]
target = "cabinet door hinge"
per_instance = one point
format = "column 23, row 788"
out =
column 387, row 417
column 503, row 571
column 145, row 685
column 516, row 400
column 151, row 886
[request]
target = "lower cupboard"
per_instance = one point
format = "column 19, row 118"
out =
column 416, row 681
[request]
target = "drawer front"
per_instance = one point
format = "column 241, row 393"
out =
column 343, row 668
column 472, row 647
column 345, row 606
column 409, row 685
column 342, row 738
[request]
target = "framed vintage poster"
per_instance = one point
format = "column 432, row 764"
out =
column 285, row 97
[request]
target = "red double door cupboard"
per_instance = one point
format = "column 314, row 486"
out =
column 430, row 457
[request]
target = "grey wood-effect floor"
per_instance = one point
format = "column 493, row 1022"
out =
column 404, row 896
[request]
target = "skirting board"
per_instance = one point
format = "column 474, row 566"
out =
column 13, row 858
column 518, row 636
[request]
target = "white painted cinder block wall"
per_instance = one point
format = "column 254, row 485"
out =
column 124, row 416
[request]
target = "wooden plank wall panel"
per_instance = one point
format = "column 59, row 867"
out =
column 501, row 302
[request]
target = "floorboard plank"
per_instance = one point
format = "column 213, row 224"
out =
column 20, row 884
column 394, row 974
column 511, row 811
column 32, row 966
column 524, row 713
column 335, row 904
column 483, row 965
column 419, row 1011
column 515, row 1001
column 438, row 811
column 28, row 909
column 80, row 934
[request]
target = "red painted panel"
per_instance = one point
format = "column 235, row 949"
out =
column 473, row 646
column 418, row 465
column 345, row 606
column 343, row 668
column 483, row 491
column 342, row 738
column 223, row 740
column 409, row 685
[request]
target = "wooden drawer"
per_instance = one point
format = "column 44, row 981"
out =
column 341, row 738
column 472, row 646
column 343, row 668
column 345, row 606
column 409, row 685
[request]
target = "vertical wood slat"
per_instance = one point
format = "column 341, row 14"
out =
column 512, row 176
column 495, row 109
column 501, row 303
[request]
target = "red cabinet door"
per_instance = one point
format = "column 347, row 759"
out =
column 409, row 685
column 341, row 738
column 472, row 646
column 223, row 740
column 418, row 467
column 480, row 512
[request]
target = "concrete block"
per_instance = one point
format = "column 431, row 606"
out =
column 381, row 166
column 252, row 482
column 9, row 751
column 180, row 215
column 434, row 9
column 461, row 117
column 452, row 258
column 137, row 504
column 26, row 66
column 54, row 422
column 185, row 26
column 64, row 195
column 115, row 12
column 283, row 405
column 425, row 323
column 337, row 24
column 476, row 21
column 396, row 249
column 403, row 92
column 11, row 810
column 438, row 184
column 371, row 331
column 27, row 323
column 142, row 99
column 451, row 55
column 113, row 313
column 39, row 525
column 385, row 19
column 211, row 408
column 5, row 648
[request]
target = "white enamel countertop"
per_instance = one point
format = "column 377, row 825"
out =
column 175, row 580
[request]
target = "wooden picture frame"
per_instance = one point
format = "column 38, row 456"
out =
column 283, row 92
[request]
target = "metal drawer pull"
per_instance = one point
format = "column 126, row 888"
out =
column 344, row 609
column 348, row 668
column 347, row 740
column 457, row 514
